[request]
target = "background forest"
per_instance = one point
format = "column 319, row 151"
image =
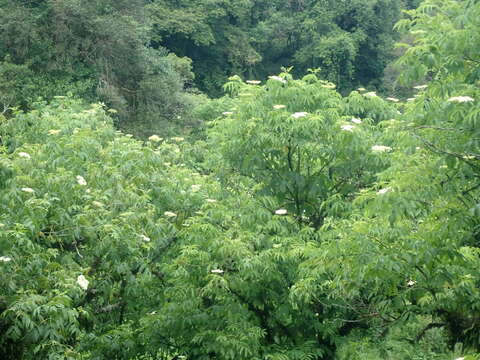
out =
column 250, row 179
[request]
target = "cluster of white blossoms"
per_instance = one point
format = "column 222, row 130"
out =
column 54, row 132
column 278, row 107
column 361, row 89
column 371, row 94
column 169, row 214
column 381, row 148
column 300, row 114
column 281, row 212
column 411, row 283
column 195, row 187
column 227, row 113
column 81, row 180
column 461, row 99
column 420, row 87
column 329, row 86
column 5, row 259
column 155, row 138
column 356, row 121
column 278, row 78
column 82, row 282
column 253, row 82
column 216, row 271
column 28, row 190
column 392, row 99
column 24, row 155
column 383, row 191
column 145, row 238
column 347, row 127
column 418, row 32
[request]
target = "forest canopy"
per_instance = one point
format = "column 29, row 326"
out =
column 288, row 213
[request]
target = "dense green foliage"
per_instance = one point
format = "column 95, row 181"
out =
column 96, row 50
column 116, row 51
column 301, row 224
column 349, row 40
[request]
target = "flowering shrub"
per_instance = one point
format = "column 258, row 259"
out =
column 86, row 218
column 294, row 139
column 305, row 225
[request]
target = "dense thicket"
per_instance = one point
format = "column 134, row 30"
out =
column 96, row 50
column 350, row 41
column 303, row 225
column 116, row 51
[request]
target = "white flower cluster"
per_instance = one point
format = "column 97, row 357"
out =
column 81, row 180
column 381, row 148
column 298, row 115
column 329, row 86
column 392, row 99
column 278, row 78
column 461, row 99
column 195, row 187
column 347, row 127
column 383, row 191
column 155, row 138
column 82, row 282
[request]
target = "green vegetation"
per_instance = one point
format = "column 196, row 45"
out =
column 95, row 50
column 295, row 221
column 349, row 40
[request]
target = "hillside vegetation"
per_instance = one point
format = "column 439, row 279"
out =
column 297, row 220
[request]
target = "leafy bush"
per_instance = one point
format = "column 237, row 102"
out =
column 80, row 199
